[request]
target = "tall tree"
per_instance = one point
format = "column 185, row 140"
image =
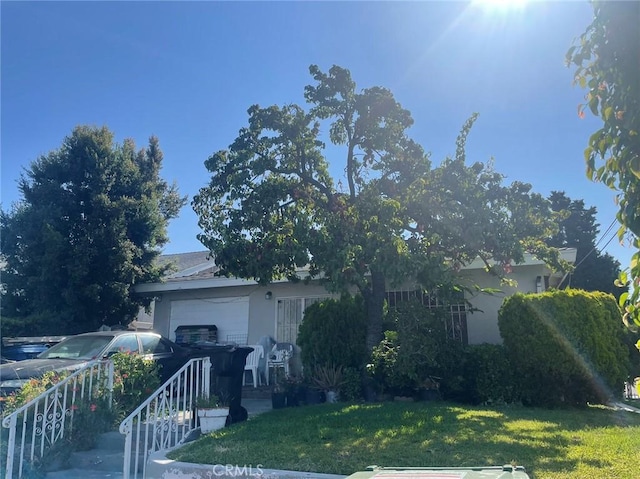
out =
column 607, row 60
column 271, row 205
column 593, row 271
column 90, row 224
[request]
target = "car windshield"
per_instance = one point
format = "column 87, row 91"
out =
column 78, row 347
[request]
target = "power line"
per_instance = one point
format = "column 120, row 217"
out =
column 595, row 247
column 615, row 233
column 606, row 233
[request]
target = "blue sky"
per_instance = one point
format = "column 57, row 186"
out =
column 187, row 72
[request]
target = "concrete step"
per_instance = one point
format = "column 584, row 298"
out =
column 110, row 441
column 104, row 461
column 97, row 460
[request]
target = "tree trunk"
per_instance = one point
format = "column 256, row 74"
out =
column 374, row 301
column 374, row 298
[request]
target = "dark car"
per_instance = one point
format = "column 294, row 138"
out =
column 20, row 352
column 19, row 349
column 75, row 351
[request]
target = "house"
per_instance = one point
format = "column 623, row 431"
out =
column 244, row 311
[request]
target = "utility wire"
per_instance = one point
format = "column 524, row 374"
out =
column 595, row 247
column 606, row 233
column 615, row 233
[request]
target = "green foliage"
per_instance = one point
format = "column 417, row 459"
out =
column 419, row 350
column 328, row 377
column 90, row 224
column 567, row 347
column 208, row 402
column 351, row 389
column 84, row 421
column 135, row 378
column 31, row 390
column 89, row 420
column 593, row 271
column 271, row 206
column 489, row 377
column 279, row 381
column 606, row 60
column 33, row 325
column 333, row 333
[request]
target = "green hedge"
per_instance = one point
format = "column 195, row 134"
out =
column 566, row 347
column 489, row 376
column 333, row 334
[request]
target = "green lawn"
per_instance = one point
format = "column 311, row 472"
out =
column 341, row 439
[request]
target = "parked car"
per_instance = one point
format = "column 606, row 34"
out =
column 75, row 351
column 19, row 349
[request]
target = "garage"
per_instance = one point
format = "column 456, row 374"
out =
column 230, row 315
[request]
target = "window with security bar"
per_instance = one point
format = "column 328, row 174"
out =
column 456, row 320
column 289, row 317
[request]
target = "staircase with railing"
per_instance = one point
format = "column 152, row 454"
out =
column 164, row 420
column 32, row 430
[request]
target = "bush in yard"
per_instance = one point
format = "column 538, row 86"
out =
column 488, row 376
column 333, row 333
column 135, row 378
column 566, row 347
column 31, row 390
column 417, row 350
column 84, row 420
column 351, row 388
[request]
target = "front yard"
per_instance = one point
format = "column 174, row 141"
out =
column 341, row 439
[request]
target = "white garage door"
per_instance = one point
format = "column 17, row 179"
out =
column 230, row 315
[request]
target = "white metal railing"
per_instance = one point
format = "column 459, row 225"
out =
column 166, row 418
column 40, row 423
column 632, row 389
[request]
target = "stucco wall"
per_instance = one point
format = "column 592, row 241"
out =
column 262, row 311
column 482, row 325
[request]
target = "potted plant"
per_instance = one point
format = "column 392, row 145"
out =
column 212, row 413
column 312, row 394
column 329, row 378
column 292, row 389
column 278, row 391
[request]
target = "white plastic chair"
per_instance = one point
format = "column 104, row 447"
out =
column 279, row 358
column 253, row 360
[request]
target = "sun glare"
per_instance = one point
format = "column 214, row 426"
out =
column 500, row 5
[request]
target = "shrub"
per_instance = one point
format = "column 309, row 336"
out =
column 351, row 389
column 85, row 419
column 567, row 347
column 31, row 390
column 333, row 333
column 328, row 378
column 488, row 375
column 134, row 379
column 91, row 419
column 419, row 349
